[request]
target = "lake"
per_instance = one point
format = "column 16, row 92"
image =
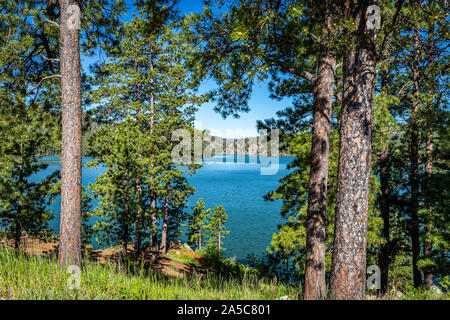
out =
column 236, row 183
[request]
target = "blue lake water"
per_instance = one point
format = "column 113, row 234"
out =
column 236, row 183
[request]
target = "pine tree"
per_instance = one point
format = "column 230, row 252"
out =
column 116, row 188
column 196, row 224
column 50, row 43
column 24, row 202
column 423, row 61
column 255, row 37
column 28, row 127
column 216, row 229
column 147, row 85
column 71, row 144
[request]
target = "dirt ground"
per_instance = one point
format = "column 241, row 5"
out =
column 162, row 263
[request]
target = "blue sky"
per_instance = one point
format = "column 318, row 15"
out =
column 261, row 106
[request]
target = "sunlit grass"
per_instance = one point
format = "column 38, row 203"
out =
column 183, row 258
column 33, row 277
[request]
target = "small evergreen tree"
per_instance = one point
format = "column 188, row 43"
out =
column 198, row 220
column 24, row 203
column 116, row 188
column 146, row 86
column 216, row 228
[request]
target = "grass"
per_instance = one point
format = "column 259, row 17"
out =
column 183, row 258
column 32, row 277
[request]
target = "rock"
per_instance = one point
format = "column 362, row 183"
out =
column 175, row 245
column 284, row 298
column 435, row 289
column 186, row 247
column 396, row 294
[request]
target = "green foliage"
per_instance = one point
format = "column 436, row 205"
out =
column 216, row 229
column 31, row 277
column 116, row 189
column 143, row 95
column 24, row 202
column 183, row 258
column 207, row 224
column 197, row 222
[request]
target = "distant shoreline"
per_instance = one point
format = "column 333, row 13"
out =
column 253, row 155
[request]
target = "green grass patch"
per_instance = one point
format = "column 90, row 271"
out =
column 32, row 277
column 183, row 258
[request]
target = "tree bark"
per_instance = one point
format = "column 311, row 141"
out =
column 414, row 169
column 384, row 251
column 428, row 245
column 219, row 238
column 383, row 257
column 165, row 220
column 138, row 220
column 348, row 271
column 70, row 220
column 200, row 238
column 323, row 84
column 18, row 225
column 318, row 177
column 126, row 213
column 154, row 231
column 154, row 235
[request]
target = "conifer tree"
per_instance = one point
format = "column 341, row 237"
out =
column 28, row 127
column 258, row 39
column 54, row 30
column 147, row 84
column 24, row 202
column 116, row 188
column 197, row 222
column 216, row 228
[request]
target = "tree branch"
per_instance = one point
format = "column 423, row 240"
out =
column 50, row 59
column 40, row 82
column 52, row 22
column 304, row 74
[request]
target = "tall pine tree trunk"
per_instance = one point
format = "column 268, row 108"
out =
column 348, row 271
column 154, row 231
column 318, row 177
column 428, row 244
column 71, row 152
column 154, row 235
column 138, row 220
column 18, row 225
column 127, row 211
column 383, row 256
column 385, row 198
column 219, row 238
column 165, row 220
column 166, row 211
column 414, row 169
